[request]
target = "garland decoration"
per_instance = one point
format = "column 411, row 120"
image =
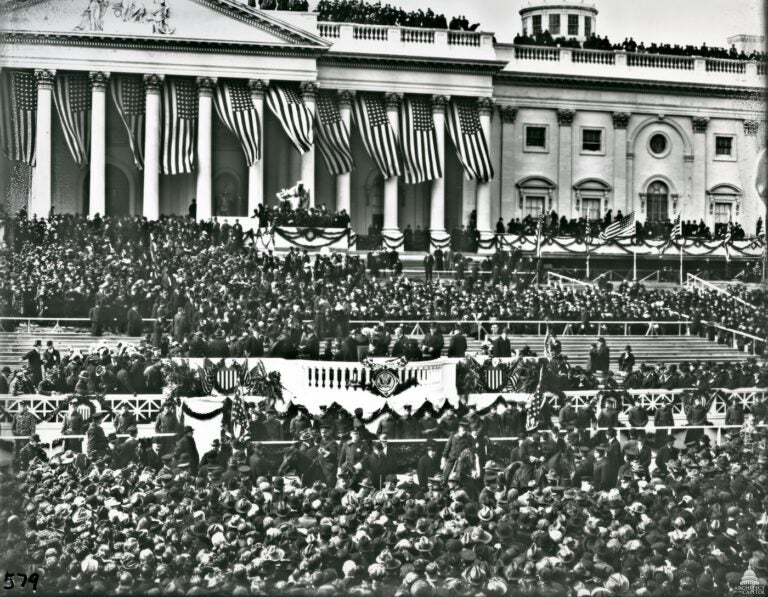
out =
column 311, row 237
column 384, row 380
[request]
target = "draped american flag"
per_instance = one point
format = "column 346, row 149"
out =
column 286, row 104
column 377, row 134
column 238, row 416
column 236, row 110
column 333, row 135
column 588, row 236
column 624, row 228
column 18, row 118
column 179, row 126
column 463, row 120
column 72, row 96
column 728, row 240
column 677, row 232
column 128, row 94
column 418, row 140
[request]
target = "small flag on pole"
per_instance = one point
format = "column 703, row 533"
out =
column 677, row 233
column 624, row 228
column 539, row 234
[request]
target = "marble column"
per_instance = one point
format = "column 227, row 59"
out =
column 40, row 201
column 391, row 199
column 564, row 163
column 308, row 92
column 508, row 188
column 437, row 192
column 344, row 181
column 152, row 122
column 205, row 148
column 98, row 160
column 483, row 192
column 256, row 171
column 697, row 205
column 621, row 201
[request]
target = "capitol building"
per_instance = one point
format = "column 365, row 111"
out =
column 573, row 130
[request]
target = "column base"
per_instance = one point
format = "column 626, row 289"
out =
column 392, row 238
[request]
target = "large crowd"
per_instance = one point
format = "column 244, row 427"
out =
column 374, row 13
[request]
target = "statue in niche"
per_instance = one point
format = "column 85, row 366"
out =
column 130, row 10
column 93, row 16
column 226, row 201
column 160, row 15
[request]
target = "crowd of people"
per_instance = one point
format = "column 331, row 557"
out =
column 596, row 42
column 374, row 13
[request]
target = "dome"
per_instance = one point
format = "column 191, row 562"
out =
column 562, row 18
column 749, row 579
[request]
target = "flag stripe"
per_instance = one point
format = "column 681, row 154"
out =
column 128, row 95
column 18, row 118
column 72, row 96
column 180, row 106
column 463, row 122
column 333, row 135
column 294, row 116
column 236, row 110
column 418, row 136
column 624, row 228
column 378, row 136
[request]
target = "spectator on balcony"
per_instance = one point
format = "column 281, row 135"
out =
column 35, row 362
column 432, row 346
column 21, row 384
column 457, row 346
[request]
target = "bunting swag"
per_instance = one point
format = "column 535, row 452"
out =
column 128, row 94
column 312, row 237
column 377, row 134
column 18, row 118
column 333, row 135
column 296, row 119
column 236, row 110
column 418, row 140
column 72, row 96
column 179, row 126
column 463, row 121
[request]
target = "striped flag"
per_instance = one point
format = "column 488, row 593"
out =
column 418, row 140
column 534, row 410
column 128, row 94
column 463, row 120
column 677, row 232
column 728, row 240
column 333, row 135
column 236, row 110
column 624, row 228
column 179, row 126
column 18, row 118
column 539, row 234
column 377, row 134
column 286, row 104
column 238, row 416
column 72, row 96
column 588, row 236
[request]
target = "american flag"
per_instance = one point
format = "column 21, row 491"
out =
column 377, row 134
column 418, row 139
column 728, row 240
column 72, row 96
column 128, row 94
column 235, row 108
column 534, row 410
column 18, row 119
column 463, row 120
column 539, row 234
column 333, row 135
column 624, row 228
column 179, row 126
column 297, row 120
column 677, row 232
column 238, row 416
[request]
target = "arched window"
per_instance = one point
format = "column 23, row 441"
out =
column 658, row 201
column 535, row 195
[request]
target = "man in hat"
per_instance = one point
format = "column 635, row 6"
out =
column 432, row 347
column 309, row 344
column 186, row 445
column 359, row 423
column 501, row 346
column 212, row 457
column 299, row 424
column 151, row 456
column 666, row 453
column 24, row 424
column 351, row 454
column 456, row 444
column 408, row 427
column 126, row 419
column 29, row 452
column 167, row 422
column 74, row 424
column 428, row 465
column 602, row 479
column 328, row 453
column 373, row 465
column 126, row 452
column 567, row 415
column 98, row 446
column 34, row 360
column 134, row 323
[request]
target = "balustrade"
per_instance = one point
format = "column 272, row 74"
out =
column 370, row 33
column 720, row 65
column 416, row 35
column 660, row 61
column 464, row 38
column 329, row 30
column 593, row 57
column 537, row 53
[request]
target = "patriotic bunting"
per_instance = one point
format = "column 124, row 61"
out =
column 418, row 140
column 463, row 121
column 128, row 94
column 72, row 96
column 236, row 110
column 378, row 137
column 179, row 126
column 296, row 119
column 677, row 232
column 18, row 118
column 624, row 228
column 333, row 135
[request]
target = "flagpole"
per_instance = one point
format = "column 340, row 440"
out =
column 682, row 243
column 634, row 261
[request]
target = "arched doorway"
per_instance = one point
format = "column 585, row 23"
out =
column 658, row 202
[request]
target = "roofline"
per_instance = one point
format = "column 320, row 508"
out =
column 527, row 9
column 414, row 63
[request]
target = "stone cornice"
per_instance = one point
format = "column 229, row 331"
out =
column 411, row 63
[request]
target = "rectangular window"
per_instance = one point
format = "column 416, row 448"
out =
column 723, row 146
column 536, row 136
column 573, row 24
column 554, row 24
column 536, row 24
column 533, row 206
column 722, row 212
column 587, row 26
column 591, row 208
column 592, row 140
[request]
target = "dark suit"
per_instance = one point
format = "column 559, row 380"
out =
column 601, row 475
column 186, row 445
column 398, row 348
column 433, row 344
column 349, row 349
column 425, row 468
column 501, row 347
column 134, row 325
column 97, row 442
column 457, row 346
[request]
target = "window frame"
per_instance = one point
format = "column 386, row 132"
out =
column 532, row 196
column 601, row 150
column 587, row 26
column 667, row 149
column 724, row 157
column 573, row 19
column 533, row 24
column 535, row 148
column 550, row 22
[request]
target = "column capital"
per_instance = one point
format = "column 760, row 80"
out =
column 565, row 117
column 700, row 124
column 98, row 80
column 620, row 120
column 205, row 86
column 153, row 83
column 392, row 101
column 346, row 98
column 308, row 90
column 439, row 104
column 508, row 114
column 485, row 106
column 258, row 87
column 751, row 127
column 44, row 78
